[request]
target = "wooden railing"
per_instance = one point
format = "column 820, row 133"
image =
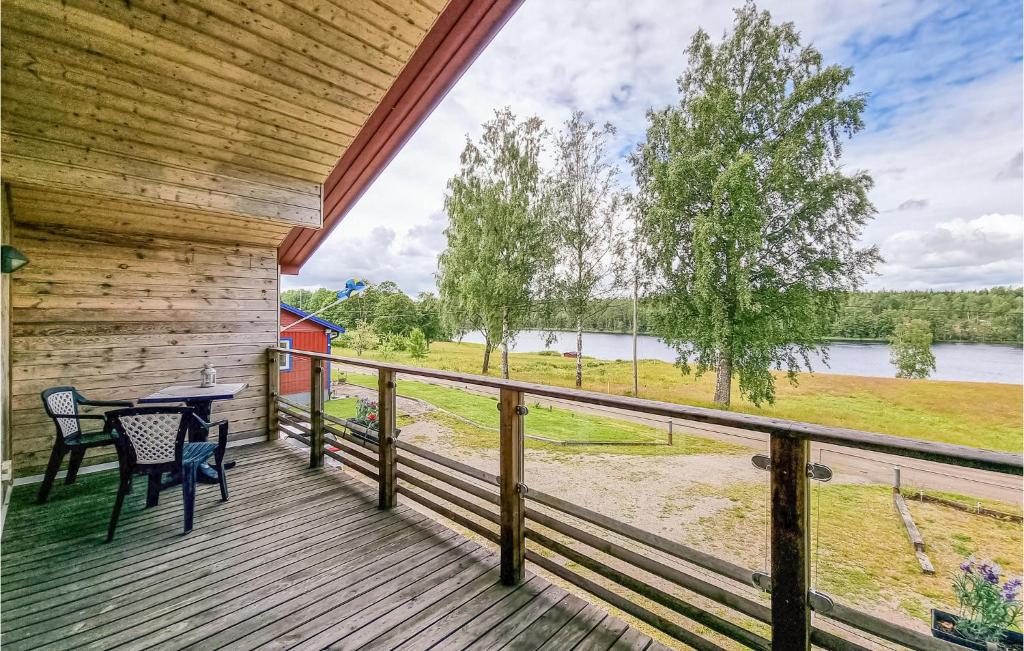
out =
column 509, row 514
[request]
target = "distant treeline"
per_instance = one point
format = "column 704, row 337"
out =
column 988, row 315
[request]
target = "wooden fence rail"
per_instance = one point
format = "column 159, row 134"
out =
column 502, row 509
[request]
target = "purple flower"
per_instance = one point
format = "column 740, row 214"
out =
column 990, row 571
column 967, row 566
column 1012, row 588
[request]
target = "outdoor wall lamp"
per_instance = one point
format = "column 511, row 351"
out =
column 11, row 259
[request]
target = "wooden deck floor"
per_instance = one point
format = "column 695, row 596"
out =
column 298, row 558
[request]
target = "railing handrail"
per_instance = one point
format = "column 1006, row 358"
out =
column 948, row 453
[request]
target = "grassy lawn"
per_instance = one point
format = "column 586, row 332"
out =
column 341, row 408
column 476, row 424
column 967, row 413
column 876, row 568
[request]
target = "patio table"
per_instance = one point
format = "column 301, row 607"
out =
column 200, row 399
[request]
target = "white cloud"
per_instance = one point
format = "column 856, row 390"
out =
column 942, row 144
column 960, row 253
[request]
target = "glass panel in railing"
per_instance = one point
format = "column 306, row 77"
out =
column 666, row 514
column 293, row 393
column 892, row 534
column 448, row 452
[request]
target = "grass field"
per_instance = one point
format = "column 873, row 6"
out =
column 876, row 567
column 967, row 413
column 474, row 419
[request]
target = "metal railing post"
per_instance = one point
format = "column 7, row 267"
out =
column 316, row 413
column 512, row 519
column 790, row 543
column 273, row 391
column 386, row 462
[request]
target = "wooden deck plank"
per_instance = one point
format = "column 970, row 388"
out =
column 520, row 620
column 576, row 629
column 402, row 630
column 284, row 612
column 631, row 640
column 485, row 620
column 483, row 572
column 327, row 629
column 603, row 636
column 298, row 558
column 208, row 582
column 188, row 618
column 547, row 625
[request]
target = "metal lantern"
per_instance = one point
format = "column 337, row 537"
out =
column 208, row 375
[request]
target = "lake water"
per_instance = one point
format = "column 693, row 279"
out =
column 962, row 362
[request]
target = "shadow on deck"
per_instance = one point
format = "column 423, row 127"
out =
column 298, row 558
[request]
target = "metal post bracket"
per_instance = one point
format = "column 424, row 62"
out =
column 816, row 471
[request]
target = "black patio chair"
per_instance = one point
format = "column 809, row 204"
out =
column 151, row 441
column 61, row 404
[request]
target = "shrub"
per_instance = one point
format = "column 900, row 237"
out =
column 418, row 346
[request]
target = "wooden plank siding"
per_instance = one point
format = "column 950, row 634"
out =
column 221, row 107
column 298, row 558
column 121, row 314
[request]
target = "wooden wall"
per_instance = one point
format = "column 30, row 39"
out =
column 5, row 350
column 122, row 314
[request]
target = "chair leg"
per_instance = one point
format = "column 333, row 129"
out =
column 153, row 490
column 223, row 482
column 122, row 490
column 188, row 493
column 77, row 454
column 52, row 468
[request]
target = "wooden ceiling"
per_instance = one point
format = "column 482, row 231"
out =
column 232, row 107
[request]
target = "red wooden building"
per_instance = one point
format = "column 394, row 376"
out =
column 302, row 331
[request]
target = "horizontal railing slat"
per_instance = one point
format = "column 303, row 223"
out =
column 683, row 552
column 462, row 520
column 622, row 603
column 464, row 504
column 452, row 464
column 464, row 486
column 712, row 621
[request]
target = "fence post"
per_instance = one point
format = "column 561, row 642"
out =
column 273, row 390
column 316, row 413
column 896, row 481
column 386, row 412
column 790, row 543
column 513, row 528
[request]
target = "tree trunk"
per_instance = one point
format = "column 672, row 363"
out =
column 504, row 347
column 636, row 370
column 723, row 383
column 487, row 354
column 579, row 351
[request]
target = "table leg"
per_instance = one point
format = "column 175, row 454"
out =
column 204, row 474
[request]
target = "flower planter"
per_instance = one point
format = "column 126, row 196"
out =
column 942, row 628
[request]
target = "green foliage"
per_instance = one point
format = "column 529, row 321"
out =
column 418, row 347
column 910, row 349
column 985, row 315
column 384, row 306
column 497, row 245
column 751, row 222
column 361, row 338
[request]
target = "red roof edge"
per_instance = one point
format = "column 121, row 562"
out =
column 461, row 32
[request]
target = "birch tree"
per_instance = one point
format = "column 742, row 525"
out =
column 752, row 221
column 584, row 202
column 497, row 240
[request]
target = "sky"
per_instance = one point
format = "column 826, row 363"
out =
column 942, row 139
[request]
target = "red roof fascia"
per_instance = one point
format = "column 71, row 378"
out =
column 461, row 32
